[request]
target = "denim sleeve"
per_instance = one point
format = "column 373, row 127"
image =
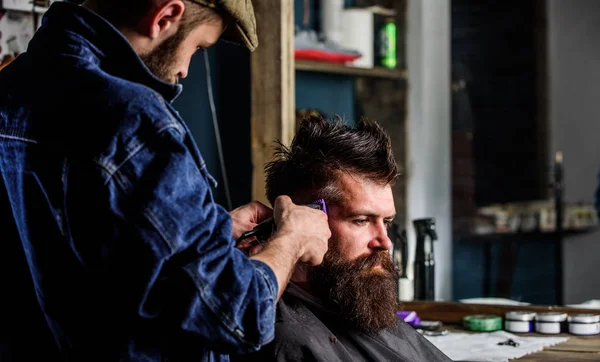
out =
column 202, row 286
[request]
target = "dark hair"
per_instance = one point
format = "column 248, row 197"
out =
column 308, row 169
column 130, row 12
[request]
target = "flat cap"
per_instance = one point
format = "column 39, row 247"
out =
column 243, row 31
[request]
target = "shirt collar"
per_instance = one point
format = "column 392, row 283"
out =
column 88, row 34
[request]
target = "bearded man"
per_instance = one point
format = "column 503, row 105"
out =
column 344, row 309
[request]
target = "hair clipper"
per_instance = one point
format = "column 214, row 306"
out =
column 265, row 229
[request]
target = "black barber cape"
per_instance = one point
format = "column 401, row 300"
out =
column 307, row 331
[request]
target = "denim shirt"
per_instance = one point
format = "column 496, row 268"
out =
column 111, row 246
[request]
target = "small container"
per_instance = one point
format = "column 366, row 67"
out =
column 482, row 323
column 551, row 323
column 584, row 324
column 519, row 321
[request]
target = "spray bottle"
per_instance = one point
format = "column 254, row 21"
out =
column 424, row 259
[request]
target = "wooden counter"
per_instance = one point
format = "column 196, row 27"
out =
column 576, row 348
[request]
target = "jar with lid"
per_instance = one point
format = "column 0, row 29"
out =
column 551, row 322
column 519, row 321
column 584, row 324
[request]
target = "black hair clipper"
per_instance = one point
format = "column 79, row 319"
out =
column 265, row 229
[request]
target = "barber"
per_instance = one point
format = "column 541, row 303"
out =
column 112, row 246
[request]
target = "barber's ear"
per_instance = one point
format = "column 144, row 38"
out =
column 164, row 18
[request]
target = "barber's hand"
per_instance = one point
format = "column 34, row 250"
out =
column 306, row 227
column 246, row 217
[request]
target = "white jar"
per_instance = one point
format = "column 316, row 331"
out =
column 519, row 321
column 584, row 324
column 550, row 323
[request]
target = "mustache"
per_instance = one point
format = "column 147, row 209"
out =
column 382, row 258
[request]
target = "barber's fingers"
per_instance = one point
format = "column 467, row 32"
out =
column 307, row 229
column 246, row 217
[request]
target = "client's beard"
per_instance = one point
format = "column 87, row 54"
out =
column 365, row 297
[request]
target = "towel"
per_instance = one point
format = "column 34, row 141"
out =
column 484, row 346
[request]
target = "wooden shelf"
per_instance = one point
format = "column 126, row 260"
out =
column 453, row 312
column 332, row 68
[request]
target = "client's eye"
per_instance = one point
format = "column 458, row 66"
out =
column 388, row 223
column 360, row 222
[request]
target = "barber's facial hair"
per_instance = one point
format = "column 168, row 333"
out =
column 160, row 59
column 365, row 297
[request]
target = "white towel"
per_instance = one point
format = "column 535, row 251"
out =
column 484, row 346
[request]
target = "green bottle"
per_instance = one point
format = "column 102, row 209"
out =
column 387, row 44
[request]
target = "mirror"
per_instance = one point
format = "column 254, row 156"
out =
column 525, row 158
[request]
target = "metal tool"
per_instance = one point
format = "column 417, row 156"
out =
column 443, row 332
column 509, row 342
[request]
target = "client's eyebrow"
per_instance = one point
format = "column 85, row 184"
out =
column 368, row 214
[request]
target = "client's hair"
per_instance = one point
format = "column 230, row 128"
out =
column 308, row 169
